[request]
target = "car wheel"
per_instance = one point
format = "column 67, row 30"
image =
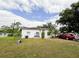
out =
column 67, row 38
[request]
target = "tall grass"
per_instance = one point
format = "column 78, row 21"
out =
column 38, row 48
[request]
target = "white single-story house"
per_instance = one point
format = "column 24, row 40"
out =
column 30, row 32
column 34, row 32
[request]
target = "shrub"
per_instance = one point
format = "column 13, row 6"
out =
column 43, row 34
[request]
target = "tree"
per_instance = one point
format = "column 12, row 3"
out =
column 55, row 32
column 69, row 18
column 51, row 28
column 4, row 28
column 15, row 29
column 63, row 29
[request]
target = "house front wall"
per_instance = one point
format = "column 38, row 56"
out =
column 3, row 34
column 46, row 34
column 33, row 33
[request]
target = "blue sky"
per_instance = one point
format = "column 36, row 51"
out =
column 39, row 10
column 36, row 10
column 37, row 14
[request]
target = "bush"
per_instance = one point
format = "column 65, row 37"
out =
column 42, row 34
column 10, row 34
column 48, row 33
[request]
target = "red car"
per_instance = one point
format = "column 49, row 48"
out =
column 61, row 35
column 69, row 36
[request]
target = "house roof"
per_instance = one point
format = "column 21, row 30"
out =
column 34, row 28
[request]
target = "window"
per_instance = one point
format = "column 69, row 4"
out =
column 36, row 34
column 28, row 32
column 0, row 33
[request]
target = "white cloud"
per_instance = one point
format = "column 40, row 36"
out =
column 15, row 4
column 53, row 20
column 48, row 5
column 6, row 18
column 53, row 5
column 6, row 4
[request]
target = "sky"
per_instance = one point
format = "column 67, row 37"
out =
column 34, row 11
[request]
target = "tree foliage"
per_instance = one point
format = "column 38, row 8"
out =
column 13, row 30
column 51, row 28
column 69, row 18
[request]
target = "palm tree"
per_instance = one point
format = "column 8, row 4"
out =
column 17, row 24
column 15, row 28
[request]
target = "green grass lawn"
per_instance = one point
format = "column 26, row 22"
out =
column 33, row 48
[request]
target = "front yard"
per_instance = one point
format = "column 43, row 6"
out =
column 38, row 48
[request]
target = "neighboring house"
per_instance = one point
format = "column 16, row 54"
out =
column 33, row 32
column 3, row 34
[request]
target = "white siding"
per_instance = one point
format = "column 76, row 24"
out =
column 31, row 34
column 46, row 35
